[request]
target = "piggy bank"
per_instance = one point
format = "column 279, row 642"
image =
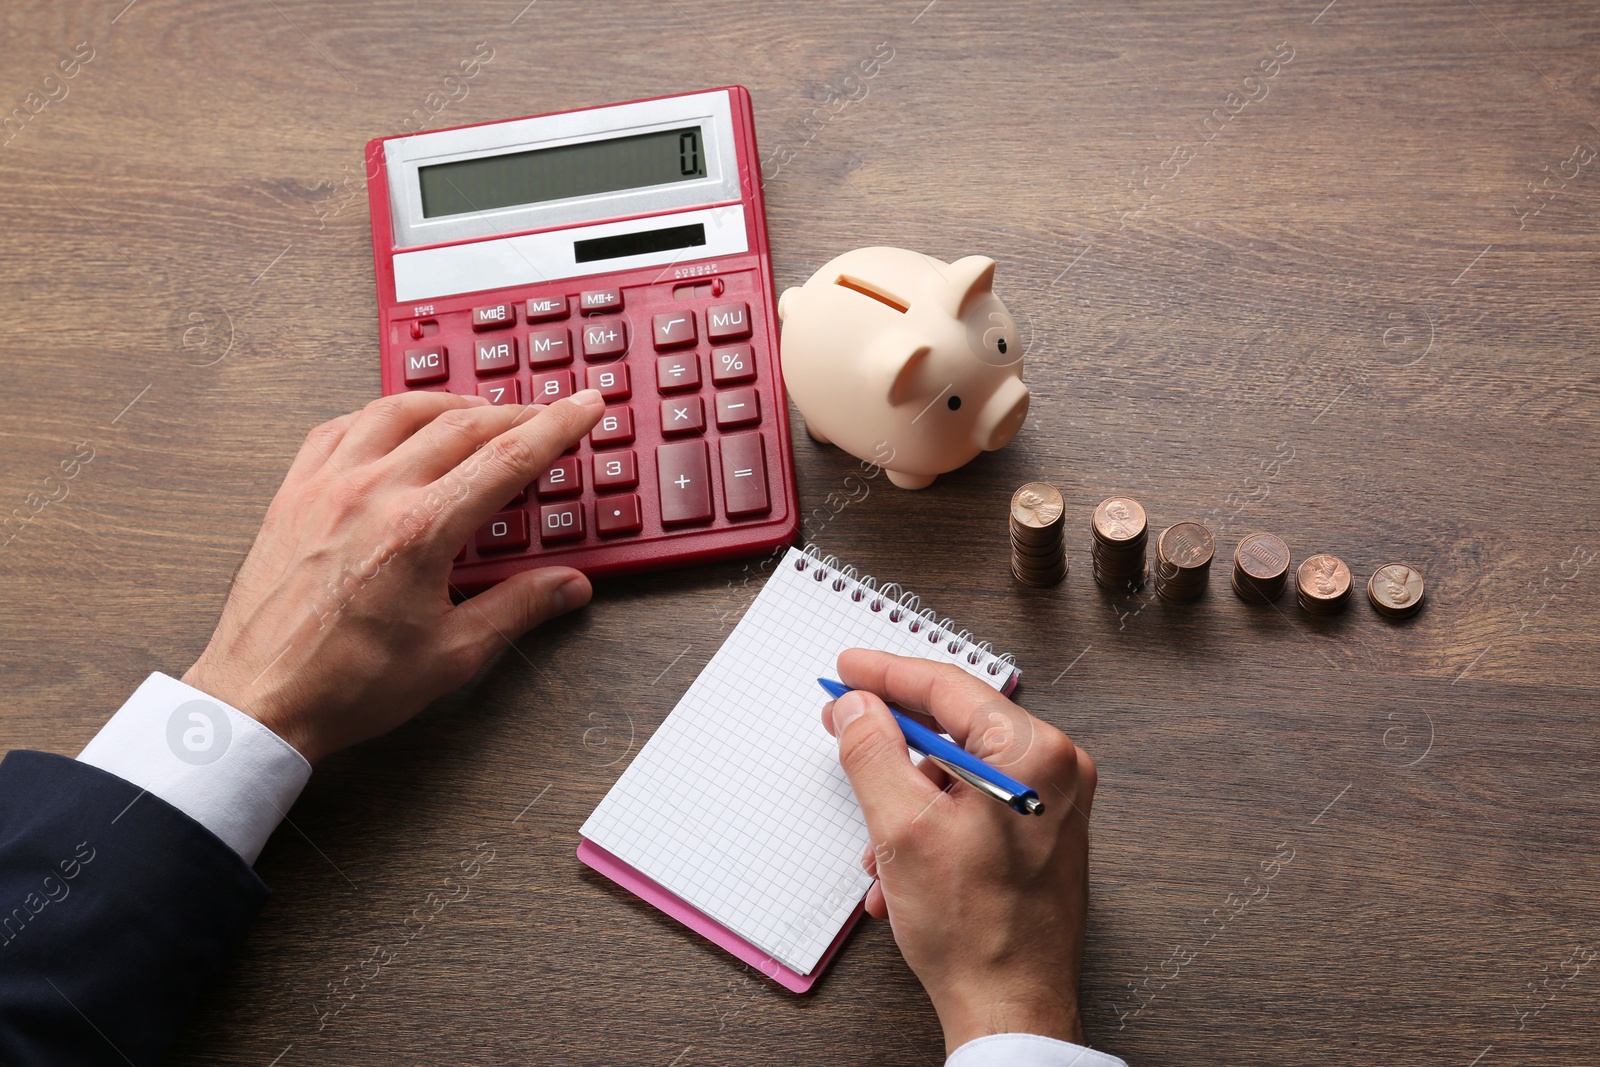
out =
column 904, row 361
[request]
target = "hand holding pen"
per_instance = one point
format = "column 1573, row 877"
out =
column 988, row 908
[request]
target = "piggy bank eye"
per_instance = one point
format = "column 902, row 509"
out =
column 1000, row 342
column 954, row 403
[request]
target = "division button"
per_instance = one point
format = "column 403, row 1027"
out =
column 683, row 414
column 549, row 348
column 738, row 407
column 674, row 328
column 683, row 473
column 618, row 515
column 681, row 370
column 493, row 316
column 728, row 322
column 543, row 308
column 424, row 365
column 744, row 475
column 505, row 532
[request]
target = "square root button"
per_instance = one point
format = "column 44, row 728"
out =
column 744, row 475
column 683, row 474
column 674, row 328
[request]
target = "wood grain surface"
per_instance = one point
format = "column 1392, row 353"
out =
column 1352, row 301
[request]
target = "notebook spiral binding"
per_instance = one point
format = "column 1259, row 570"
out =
column 903, row 604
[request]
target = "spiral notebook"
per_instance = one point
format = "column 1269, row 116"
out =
column 735, row 818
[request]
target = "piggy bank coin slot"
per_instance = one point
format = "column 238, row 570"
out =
column 879, row 295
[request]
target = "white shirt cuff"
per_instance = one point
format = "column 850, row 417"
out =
column 211, row 761
column 1027, row 1050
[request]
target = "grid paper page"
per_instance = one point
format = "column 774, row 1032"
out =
column 738, row 804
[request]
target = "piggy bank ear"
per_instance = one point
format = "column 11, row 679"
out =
column 967, row 280
column 892, row 362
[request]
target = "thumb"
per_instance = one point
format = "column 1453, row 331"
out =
column 873, row 752
column 506, row 611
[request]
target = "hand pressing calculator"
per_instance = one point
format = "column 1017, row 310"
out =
column 619, row 248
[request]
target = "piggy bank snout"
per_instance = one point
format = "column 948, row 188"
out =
column 1002, row 415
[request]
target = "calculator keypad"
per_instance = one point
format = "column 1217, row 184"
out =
column 687, row 441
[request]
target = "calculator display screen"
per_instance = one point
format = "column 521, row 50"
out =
column 542, row 174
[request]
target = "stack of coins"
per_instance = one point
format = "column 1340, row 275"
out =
column 1037, row 523
column 1120, row 534
column 1395, row 590
column 1183, row 561
column 1260, row 567
column 1323, row 585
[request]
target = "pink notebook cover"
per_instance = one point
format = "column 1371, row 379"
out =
column 652, row 893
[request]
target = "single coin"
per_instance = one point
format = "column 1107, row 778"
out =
column 1037, row 505
column 1396, row 590
column 1119, row 519
column 1186, row 545
column 1262, row 556
column 1323, row 579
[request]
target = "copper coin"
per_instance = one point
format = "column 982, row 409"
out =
column 1323, row 578
column 1119, row 519
column 1396, row 590
column 1262, row 556
column 1186, row 545
column 1037, row 505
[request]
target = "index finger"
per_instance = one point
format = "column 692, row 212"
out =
column 974, row 714
column 484, row 482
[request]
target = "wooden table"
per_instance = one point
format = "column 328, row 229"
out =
column 1352, row 300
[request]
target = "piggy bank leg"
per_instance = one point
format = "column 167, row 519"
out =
column 910, row 481
column 815, row 436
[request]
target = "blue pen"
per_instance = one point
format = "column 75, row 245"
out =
column 955, row 759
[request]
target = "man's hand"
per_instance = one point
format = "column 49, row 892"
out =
column 339, row 626
column 987, row 905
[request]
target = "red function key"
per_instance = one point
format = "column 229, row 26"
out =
column 731, row 365
column 728, row 322
column 616, row 470
column 618, row 515
column 550, row 387
column 506, row 532
column 564, row 478
column 560, row 522
column 684, row 414
column 738, row 407
column 544, row 308
column 600, row 300
column 674, row 329
column 494, row 316
column 424, row 365
column 614, row 428
column 678, row 371
column 612, row 381
column 495, row 356
column 744, row 475
column 683, row 474
column 502, row 391
column 604, row 339
column 549, row 348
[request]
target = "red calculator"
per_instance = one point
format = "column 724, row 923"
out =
column 620, row 248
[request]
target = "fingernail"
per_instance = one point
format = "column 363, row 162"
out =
column 476, row 401
column 588, row 398
column 573, row 593
column 847, row 709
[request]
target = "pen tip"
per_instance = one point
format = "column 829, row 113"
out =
column 1034, row 805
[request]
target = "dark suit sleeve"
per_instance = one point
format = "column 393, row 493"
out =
column 115, row 909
